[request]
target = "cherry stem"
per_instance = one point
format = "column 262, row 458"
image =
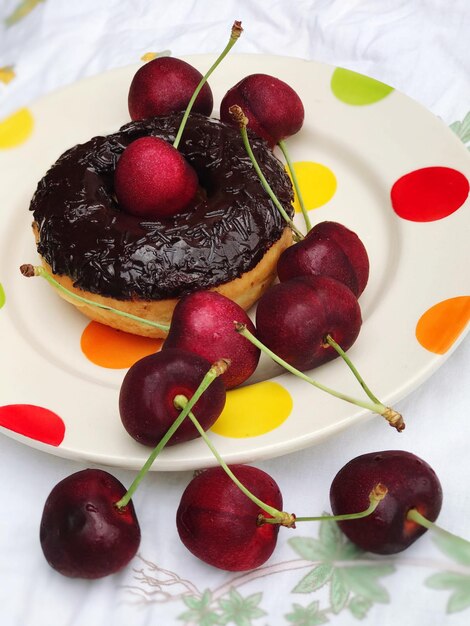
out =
column 277, row 517
column 29, row 270
column 393, row 417
column 234, row 36
column 376, row 496
column 329, row 339
column 239, row 117
column 282, row 145
column 216, row 370
column 415, row 516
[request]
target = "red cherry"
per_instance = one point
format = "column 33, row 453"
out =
column 219, row 524
column 152, row 179
column 411, row 484
column 293, row 319
column 328, row 249
column 83, row 534
column 148, row 391
column 202, row 323
column 164, row 86
column 273, row 108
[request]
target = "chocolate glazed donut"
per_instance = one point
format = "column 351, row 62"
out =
column 83, row 235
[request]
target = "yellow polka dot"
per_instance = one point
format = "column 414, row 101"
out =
column 254, row 410
column 16, row 129
column 317, row 184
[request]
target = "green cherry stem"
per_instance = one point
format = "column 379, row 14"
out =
column 29, row 270
column 277, row 517
column 282, row 145
column 216, row 370
column 240, row 118
column 461, row 544
column 393, row 417
column 376, row 496
column 234, row 36
column 330, row 341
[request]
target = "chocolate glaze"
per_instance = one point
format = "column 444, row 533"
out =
column 225, row 232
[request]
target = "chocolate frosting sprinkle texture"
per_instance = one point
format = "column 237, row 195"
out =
column 225, row 232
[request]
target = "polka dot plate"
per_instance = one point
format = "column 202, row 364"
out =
column 367, row 156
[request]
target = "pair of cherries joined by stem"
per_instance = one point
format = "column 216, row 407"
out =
column 382, row 501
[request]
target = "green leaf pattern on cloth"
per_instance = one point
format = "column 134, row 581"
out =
column 232, row 608
column 350, row 584
column 306, row 616
column 343, row 578
column 200, row 611
column 240, row 611
column 462, row 129
column 458, row 583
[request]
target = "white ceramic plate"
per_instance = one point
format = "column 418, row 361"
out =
column 413, row 265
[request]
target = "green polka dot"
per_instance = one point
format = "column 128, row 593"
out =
column 357, row 89
column 2, row 296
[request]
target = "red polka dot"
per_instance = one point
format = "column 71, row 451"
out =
column 34, row 422
column 429, row 194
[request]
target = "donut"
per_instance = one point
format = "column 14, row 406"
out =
column 228, row 239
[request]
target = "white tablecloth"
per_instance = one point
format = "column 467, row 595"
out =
column 419, row 47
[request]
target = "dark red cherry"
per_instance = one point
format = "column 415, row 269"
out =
column 154, row 180
column 411, row 484
column 219, row 524
column 83, row 534
column 293, row 319
column 164, row 86
column 202, row 323
column 148, row 391
column 273, row 108
column 328, row 249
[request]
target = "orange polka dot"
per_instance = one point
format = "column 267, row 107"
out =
column 440, row 326
column 113, row 348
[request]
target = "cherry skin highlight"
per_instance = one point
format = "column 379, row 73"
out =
column 202, row 323
column 328, row 249
column 411, row 484
column 165, row 85
column 148, row 391
column 293, row 319
column 273, row 108
column 219, row 524
column 82, row 533
column 152, row 179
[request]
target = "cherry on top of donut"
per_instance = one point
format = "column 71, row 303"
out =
column 274, row 110
column 153, row 179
